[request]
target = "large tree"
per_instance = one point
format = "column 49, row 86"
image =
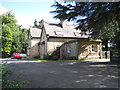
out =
column 6, row 40
column 14, row 38
column 100, row 20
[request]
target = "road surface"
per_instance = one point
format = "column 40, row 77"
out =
column 68, row 74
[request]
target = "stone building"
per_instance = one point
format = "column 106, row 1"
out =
column 53, row 37
column 81, row 49
column 33, row 42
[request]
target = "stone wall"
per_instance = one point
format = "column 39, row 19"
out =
column 33, row 51
column 80, row 50
column 34, row 41
column 43, row 45
column 54, row 43
column 106, row 54
column 86, row 50
column 69, row 51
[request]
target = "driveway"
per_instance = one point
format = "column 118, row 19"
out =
column 69, row 74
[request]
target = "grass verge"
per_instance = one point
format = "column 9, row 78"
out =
column 37, row 59
column 9, row 84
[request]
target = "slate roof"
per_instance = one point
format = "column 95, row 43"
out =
column 67, row 31
column 35, row 32
column 55, row 30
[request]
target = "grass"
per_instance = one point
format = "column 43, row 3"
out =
column 9, row 84
column 37, row 59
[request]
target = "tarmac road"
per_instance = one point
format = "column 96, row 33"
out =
column 68, row 74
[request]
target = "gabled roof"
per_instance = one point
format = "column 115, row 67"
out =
column 68, row 31
column 35, row 32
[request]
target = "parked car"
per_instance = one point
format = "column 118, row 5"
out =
column 18, row 55
column 23, row 55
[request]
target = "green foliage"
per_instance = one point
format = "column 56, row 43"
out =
column 60, row 12
column 38, row 24
column 6, row 83
column 6, row 40
column 8, row 18
column 24, row 39
column 14, row 38
column 99, row 20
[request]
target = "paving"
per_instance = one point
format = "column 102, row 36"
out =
column 68, row 74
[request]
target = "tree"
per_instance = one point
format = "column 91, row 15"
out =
column 99, row 20
column 38, row 24
column 12, row 35
column 61, row 11
column 24, row 39
column 6, row 40
column 116, row 37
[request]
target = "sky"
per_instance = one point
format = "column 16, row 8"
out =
column 27, row 12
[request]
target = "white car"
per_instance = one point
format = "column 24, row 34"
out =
column 23, row 55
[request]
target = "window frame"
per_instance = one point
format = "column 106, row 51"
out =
column 94, row 48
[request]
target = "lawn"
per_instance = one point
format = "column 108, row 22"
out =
column 37, row 59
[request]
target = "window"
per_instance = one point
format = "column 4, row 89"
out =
column 58, row 33
column 94, row 48
column 68, row 49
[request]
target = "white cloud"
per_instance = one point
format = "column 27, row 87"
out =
column 26, row 0
column 49, row 18
column 3, row 10
column 26, row 20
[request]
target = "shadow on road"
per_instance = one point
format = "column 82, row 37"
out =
column 68, row 74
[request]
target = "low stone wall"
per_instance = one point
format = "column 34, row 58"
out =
column 106, row 54
column 80, row 49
